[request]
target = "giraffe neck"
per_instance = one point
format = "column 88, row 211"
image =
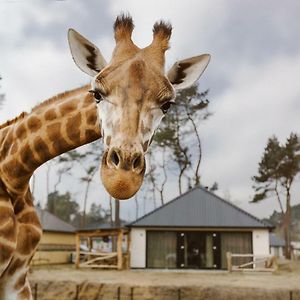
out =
column 56, row 126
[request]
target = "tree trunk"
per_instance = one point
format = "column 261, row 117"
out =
column 162, row 187
column 48, row 186
column 136, row 207
column 287, row 226
column 179, row 182
column 278, row 197
column 83, row 222
column 183, row 168
column 117, row 213
column 89, row 180
column 111, row 212
column 197, row 176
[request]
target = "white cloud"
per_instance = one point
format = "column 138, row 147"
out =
column 261, row 101
column 253, row 75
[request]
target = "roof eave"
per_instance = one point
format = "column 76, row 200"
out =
column 200, row 227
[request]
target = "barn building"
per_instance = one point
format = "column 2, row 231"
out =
column 57, row 242
column 195, row 231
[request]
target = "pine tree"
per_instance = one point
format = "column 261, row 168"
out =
column 277, row 171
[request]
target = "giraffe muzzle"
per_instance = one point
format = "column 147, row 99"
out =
column 116, row 158
column 122, row 172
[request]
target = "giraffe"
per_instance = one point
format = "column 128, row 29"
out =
column 123, row 105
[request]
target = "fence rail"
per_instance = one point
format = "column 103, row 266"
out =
column 259, row 263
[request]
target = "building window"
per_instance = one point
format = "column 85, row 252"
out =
column 161, row 249
column 238, row 243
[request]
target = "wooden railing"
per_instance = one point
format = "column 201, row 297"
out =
column 117, row 259
column 259, row 263
column 98, row 260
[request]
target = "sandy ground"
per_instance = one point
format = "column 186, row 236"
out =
column 287, row 277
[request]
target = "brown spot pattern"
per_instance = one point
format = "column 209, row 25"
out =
column 27, row 157
column 68, row 107
column 7, row 224
column 91, row 117
column 28, row 238
column 91, row 135
column 34, row 124
column 73, row 128
column 19, row 205
column 6, row 253
column 59, row 144
column 50, row 114
column 15, row 265
column 21, row 132
column 41, row 149
column 30, row 218
column 53, row 130
column 14, row 169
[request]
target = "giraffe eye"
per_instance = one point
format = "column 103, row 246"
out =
column 97, row 95
column 165, row 107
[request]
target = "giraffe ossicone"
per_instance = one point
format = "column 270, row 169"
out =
column 124, row 105
column 134, row 94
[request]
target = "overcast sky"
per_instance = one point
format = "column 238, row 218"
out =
column 253, row 76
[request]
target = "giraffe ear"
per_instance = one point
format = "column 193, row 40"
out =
column 185, row 72
column 85, row 54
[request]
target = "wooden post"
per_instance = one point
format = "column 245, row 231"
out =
column 77, row 261
column 90, row 243
column 119, row 250
column 90, row 246
column 128, row 249
column 229, row 261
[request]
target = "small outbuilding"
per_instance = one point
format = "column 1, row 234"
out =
column 58, row 240
column 276, row 245
column 195, row 231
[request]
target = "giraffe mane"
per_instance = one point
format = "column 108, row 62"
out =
column 13, row 121
column 43, row 104
column 58, row 97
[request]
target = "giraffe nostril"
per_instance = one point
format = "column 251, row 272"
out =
column 137, row 162
column 114, row 157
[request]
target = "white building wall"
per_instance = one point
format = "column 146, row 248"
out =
column 260, row 242
column 277, row 251
column 138, row 248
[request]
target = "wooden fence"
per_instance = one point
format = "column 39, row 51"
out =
column 103, row 260
column 259, row 263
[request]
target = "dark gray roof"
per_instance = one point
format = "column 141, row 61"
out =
column 276, row 241
column 199, row 208
column 53, row 223
column 103, row 226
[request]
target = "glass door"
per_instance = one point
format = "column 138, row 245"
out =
column 197, row 250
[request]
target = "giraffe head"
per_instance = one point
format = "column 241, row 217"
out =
column 133, row 94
